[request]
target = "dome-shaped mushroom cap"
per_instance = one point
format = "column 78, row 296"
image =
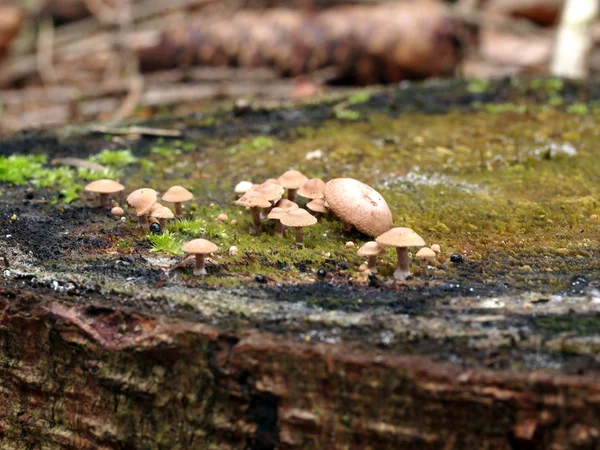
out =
column 271, row 191
column 359, row 205
column 162, row 213
column 317, row 205
column 400, row 237
column 177, row 194
column 312, row 189
column 142, row 200
column 286, row 204
column 298, row 218
column 155, row 207
column 104, row 187
column 253, row 199
column 425, row 253
column 292, row 179
column 277, row 213
column 242, row 187
column 371, row 248
column 199, row 247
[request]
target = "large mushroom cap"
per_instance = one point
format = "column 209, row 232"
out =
column 359, row 205
column 177, row 194
column 400, row 237
column 292, row 179
column 312, row 189
column 253, row 199
column 371, row 248
column 104, row 187
column 298, row 218
column 199, row 247
column 142, row 200
column 271, row 191
column 162, row 213
column 242, row 187
column 317, row 205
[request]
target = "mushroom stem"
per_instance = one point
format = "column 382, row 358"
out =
column 372, row 264
column 278, row 228
column 256, row 218
column 178, row 210
column 402, row 272
column 299, row 236
column 347, row 227
column 292, row 194
column 104, row 200
column 162, row 223
column 143, row 221
column 200, row 270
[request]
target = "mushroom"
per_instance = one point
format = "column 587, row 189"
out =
column 104, row 188
column 271, row 191
column 371, row 249
column 287, row 204
column 117, row 211
column 358, row 205
column 142, row 200
column 436, row 248
column 312, row 189
column 200, row 248
column 277, row 213
column 162, row 213
column 254, row 200
column 317, row 206
column 177, row 194
column 401, row 238
column 425, row 255
column 242, row 187
column 292, row 180
column 298, row 218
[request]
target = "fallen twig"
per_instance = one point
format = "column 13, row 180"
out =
column 160, row 132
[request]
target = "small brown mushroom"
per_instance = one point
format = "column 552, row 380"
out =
column 401, row 238
column 255, row 201
column 317, row 206
column 117, row 211
column 276, row 214
column 162, row 213
column 177, row 195
column 200, row 248
column 312, row 189
column 104, row 188
column 298, row 218
column 371, row 249
column 142, row 200
column 272, row 193
column 436, row 248
column 292, row 180
column 286, row 204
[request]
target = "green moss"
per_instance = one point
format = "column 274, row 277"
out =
column 115, row 158
column 166, row 243
column 578, row 325
column 18, row 169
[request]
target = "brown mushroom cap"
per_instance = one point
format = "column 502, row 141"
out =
column 162, row 213
column 177, row 194
column 271, row 180
column 286, row 204
column 317, row 205
column 155, row 207
column 292, row 179
column 142, row 200
column 117, row 211
column 253, row 199
column 199, row 247
column 104, row 187
column 371, row 248
column 298, row 218
column 425, row 254
column 359, row 205
column 312, row 189
column 277, row 213
column 271, row 191
column 400, row 237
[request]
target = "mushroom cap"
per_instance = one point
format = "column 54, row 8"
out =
column 277, row 213
column 436, row 248
column 176, row 194
column 400, row 237
column 425, row 253
column 312, row 189
column 298, row 218
column 142, row 200
column 253, row 199
column 359, row 205
column 272, row 180
column 242, row 187
column 271, row 191
column 199, row 247
column 286, row 204
column 317, row 205
column 371, row 248
column 155, row 207
column 104, row 187
column 117, row 211
column 162, row 213
column 292, row 179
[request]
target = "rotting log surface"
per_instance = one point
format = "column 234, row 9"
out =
column 102, row 347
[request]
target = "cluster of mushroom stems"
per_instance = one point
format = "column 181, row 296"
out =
column 356, row 204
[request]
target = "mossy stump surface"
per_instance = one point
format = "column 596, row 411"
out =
column 107, row 339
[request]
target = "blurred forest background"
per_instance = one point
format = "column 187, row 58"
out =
column 68, row 61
